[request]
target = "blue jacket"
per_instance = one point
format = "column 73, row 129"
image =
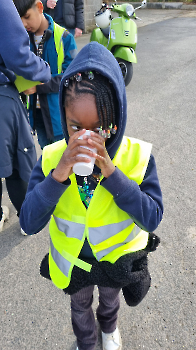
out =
column 15, row 54
column 142, row 202
column 49, row 92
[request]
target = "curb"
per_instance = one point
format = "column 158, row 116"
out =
column 188, row 7
column 166, row 5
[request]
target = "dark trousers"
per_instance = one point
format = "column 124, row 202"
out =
column 16, row 188
column 41, row 131
column 83, row 320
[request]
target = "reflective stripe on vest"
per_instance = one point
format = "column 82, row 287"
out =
column 58, row 34
column 65, row 260
column 136, row 230
column 63, row 265
column 101, row 233
column 97, row 235
column 71, row 229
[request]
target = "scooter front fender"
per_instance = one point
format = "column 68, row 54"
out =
column 126, row 54
column 98, row 36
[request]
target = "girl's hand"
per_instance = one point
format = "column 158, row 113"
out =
column 103, row 160
column 72, row 155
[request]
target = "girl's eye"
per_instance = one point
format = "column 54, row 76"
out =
column 96, row 130
column 75, row 128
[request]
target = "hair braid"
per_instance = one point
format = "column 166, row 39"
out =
column 104, row 96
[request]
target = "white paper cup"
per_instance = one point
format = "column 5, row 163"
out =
column 82, row 168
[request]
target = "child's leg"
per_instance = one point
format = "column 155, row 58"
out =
column 4, row 211
column 83, row 320
column 41, row 131
column 40, row 128
column 16, row 188
column 109, row 304
column 1, row 192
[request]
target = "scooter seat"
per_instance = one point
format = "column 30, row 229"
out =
column 106, row 31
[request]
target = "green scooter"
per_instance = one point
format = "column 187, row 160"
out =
column 118, row 33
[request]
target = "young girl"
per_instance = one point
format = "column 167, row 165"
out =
column 100, row 224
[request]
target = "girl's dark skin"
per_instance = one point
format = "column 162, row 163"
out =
column 81, row 115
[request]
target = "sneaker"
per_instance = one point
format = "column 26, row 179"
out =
column 5, row 216
column 112, row 341
column 23, row 232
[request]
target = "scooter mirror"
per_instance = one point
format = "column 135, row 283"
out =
column 144, row 2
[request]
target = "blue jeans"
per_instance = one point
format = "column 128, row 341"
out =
column 72, row 31
column 41, row 132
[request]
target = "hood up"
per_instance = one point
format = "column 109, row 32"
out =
column 95, row 57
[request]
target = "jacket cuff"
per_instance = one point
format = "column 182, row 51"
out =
column 40, row 89
column 52, row 190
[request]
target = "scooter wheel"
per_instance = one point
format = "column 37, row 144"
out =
column 126, row 69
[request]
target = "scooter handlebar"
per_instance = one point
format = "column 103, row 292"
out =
column 107, row 7
column 143, row 4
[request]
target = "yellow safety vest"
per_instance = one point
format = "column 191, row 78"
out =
column 58, row 33
column 110, row 231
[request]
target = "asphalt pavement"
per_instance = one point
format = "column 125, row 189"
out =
column 34, row 314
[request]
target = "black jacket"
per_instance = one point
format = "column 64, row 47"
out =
column 72, row 10
column 130, row 272
column 16, row 141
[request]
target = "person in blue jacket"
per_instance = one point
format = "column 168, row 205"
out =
column 100, row 225
column 44, row 112
column 18, row 155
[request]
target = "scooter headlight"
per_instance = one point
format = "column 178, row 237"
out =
column 129, row 10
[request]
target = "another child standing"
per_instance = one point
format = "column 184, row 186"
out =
column 57, row 47
column 17, row 149
column 100, row 223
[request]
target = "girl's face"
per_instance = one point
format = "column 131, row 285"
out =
column 82, row 114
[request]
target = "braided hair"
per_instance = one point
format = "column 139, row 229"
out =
column 101, row 88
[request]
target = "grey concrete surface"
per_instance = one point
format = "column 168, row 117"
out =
column 161, row 109
column 167, row 5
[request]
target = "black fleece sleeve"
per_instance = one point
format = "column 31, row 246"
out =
column 51, row 87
